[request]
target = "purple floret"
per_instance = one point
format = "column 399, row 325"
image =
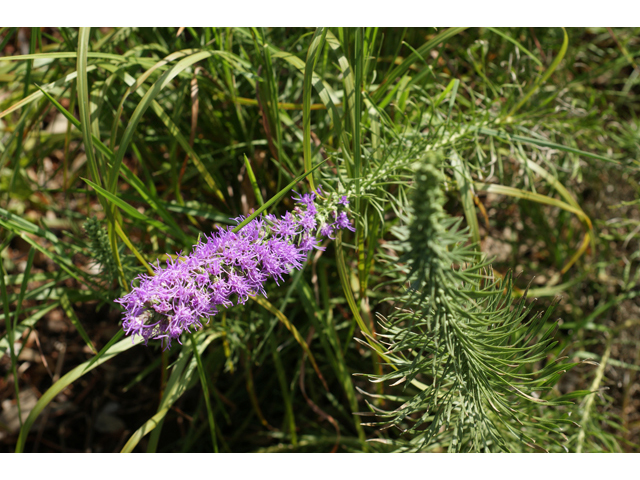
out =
column 342, row 221
column 225, row 268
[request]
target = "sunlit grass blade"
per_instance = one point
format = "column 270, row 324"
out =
column 545, row 200
column 346, row 287
column 535, row 197
column 254, row 182
column 587, row 404
column 61, row 55
column 452, row 98
column 445, row 92
column 143, row 261
column 348, row 79
column 315, row 49
column 348, row 293
column 83, row 103
column 357, row 119
column 149, row 426
column 39, row 94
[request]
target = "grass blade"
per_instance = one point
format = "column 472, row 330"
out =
column 277, row 197
column 67, row 380
column 315, row 49
column 517, row 44
column 545, row 77
column 83, row 103
column 10, row 326
column 145, row 103
column 147, row 427
column 68, row 309
column 205, row 392
column 176, row 386
column 254, row 183
column 465, row 187
column 544, row 143
column 114, row 199
column 423, row 51
column 129, row 176
column 535, row 197
column 263, row 302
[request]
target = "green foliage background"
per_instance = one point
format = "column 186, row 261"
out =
column 470, row 156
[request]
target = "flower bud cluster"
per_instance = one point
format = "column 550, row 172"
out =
column 226, row 268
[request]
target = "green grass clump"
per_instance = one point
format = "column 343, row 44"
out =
column 484, row 168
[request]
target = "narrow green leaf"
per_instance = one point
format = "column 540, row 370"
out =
column 145, row 103
column 535, row 197
column 132, row 212
column 277, row 196
column 411, row 59
column 205, row 392
column 26, row 324
column 143, row 261
column 517, row 44
column 465, row 187
column 129, row 176
column 84, row 106
column 325, row 92
column 147, row 427
column 454, row 93
column 545, row 77
column 177, row 384
column 67, row 380
column 68, row 309
column 444, row 93
column 10, row 326
column 254, row 183
column 317, row 42
column 544, row 143
column 294, row 331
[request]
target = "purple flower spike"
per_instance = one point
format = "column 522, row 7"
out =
column 225, row 269
column 327, row 231
column 342, row 221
